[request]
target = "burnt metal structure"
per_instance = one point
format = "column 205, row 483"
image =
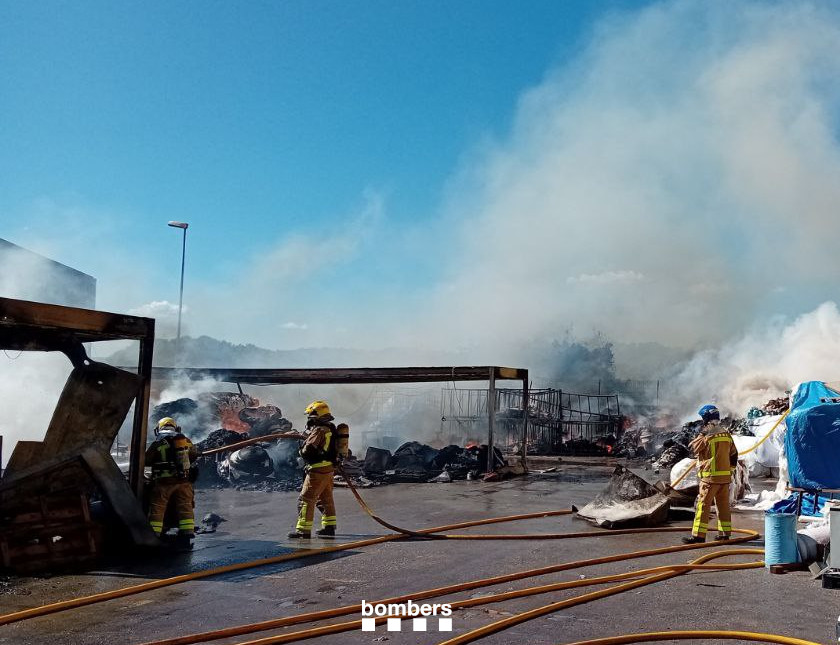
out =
column 554, row 416
column 590, row 416
column 74, row 457
column 464, row 410
column 367, row 375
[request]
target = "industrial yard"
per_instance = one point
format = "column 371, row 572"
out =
column 419, row 322
column 752, row 600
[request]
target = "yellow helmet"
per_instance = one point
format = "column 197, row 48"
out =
column 317, row 409
column 167, row 422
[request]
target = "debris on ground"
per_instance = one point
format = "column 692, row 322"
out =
column 416, row 462
column 627, row 501
column 210, row 523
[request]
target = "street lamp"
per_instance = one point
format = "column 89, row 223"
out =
column 183, row 226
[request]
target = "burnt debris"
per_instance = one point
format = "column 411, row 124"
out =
column 416, row 462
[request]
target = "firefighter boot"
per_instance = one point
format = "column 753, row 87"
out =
column 723, row 537
column 327, row 531
column 299, row 535
column 693, row 539
column 184, row 542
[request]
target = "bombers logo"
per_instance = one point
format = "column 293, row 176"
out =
column 392, row 614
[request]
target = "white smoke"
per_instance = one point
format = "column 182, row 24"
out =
column 165, row 314
column 761, row 364
column 30, row 384
column 675, row 181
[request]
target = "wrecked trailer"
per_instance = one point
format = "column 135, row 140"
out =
column 63, row 500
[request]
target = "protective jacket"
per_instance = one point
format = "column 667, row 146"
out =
column 717, row 456
column 170, row 456
column 319, row 449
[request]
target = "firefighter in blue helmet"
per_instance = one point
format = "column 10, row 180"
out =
column 717, row 457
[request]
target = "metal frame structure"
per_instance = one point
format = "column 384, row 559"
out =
column 35, row 326
column 595, row 415
column 366, row 375
column 554, row 416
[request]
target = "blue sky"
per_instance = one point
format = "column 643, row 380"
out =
column 253, row 120
column 426, row 166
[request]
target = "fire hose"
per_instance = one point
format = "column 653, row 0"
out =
column 635, row 579
column 694, row 635
column 248, row 442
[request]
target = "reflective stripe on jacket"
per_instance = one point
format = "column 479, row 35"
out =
column 718, row 456
column 319, row 448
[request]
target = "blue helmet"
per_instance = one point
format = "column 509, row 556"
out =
column 709, row 412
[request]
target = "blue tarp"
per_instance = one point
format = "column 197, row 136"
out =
column 789, row 504
column 812, row 441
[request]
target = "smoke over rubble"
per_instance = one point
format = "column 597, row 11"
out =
column 674, row 184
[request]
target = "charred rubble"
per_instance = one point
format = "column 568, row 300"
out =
column 416, row 462
column 274, row 465
column 674, row 444
column 270, row 465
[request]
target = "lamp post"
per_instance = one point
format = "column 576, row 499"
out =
column 183, row 226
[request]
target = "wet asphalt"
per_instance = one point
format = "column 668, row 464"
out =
column 753, row 600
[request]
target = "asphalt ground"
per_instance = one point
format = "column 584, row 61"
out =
column 754, row 600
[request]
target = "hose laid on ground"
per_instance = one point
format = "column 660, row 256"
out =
column 166, row 582
column 505, row 623
column 747, row 451
column 695, row 635
column 450, row 589
column 651, row 577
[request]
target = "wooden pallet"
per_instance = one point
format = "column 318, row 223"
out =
column 52, row 531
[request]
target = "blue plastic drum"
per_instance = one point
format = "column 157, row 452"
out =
column 780, row 539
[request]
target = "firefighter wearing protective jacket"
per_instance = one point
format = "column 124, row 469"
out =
column 171, row 456
column 717, row 457
column 323, row 447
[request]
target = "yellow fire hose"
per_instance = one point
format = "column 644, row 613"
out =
column 305, row 553
column 248, row 442
column 649, row 576
column 747, row 451
column 695, row 635
column 675, row 569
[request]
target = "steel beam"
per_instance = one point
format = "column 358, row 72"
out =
column 358, row 375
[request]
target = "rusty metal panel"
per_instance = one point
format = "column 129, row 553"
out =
column 25, row 454
column 91, row 409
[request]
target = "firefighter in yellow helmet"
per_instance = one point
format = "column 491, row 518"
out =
column 320, row 451
column 171, row 456
column 717, row 457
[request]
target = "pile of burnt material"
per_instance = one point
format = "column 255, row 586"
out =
column 630, row 443
column 674, row 446
column 773, row 407
column 416, row 462
column 233, row 411
column 270, row 465
column 580, row 447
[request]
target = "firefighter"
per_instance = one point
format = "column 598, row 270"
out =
column 717, row 457
column 321, row 452
column 171, row 456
